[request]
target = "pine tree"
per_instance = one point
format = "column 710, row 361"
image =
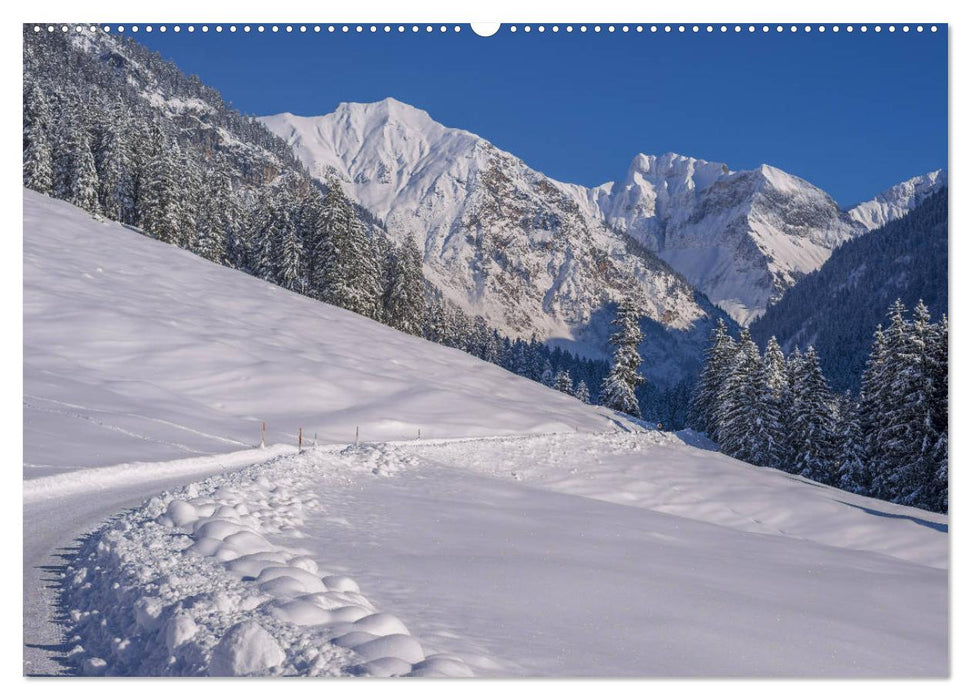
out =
column 704, row 401
column 939, row 408
column 849, row 469
column 75, row 177
column 740, row 412
column 775, row 404
column 912, row 441
column 113, row 162
column 563, row 382
column 404, row 303
column 158, row 204
column 582, row 392
column 619, row 386
column 813, row 427
column 873, row 402
column 38, row 163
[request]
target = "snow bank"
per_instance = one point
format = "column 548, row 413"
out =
column 192, row 583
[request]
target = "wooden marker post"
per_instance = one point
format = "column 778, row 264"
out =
column 300, row 439
column 357, row 434
column 263, row 435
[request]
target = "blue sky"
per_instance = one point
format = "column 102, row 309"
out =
column 852, row 113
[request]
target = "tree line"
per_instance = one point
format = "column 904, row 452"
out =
column 890, row 441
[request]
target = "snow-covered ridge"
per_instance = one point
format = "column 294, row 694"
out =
column 893, row 203
column 192, row 583
column 741, row 237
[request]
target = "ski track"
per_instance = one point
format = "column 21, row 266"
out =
column 330, row 480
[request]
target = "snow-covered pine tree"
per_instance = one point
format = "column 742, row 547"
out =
column 114, row 163
column 619, row 386
column 404, row 303
column 582, row 392
column 813, row 425
column 38, row 164
column 873, row 400
column 704, row 400
column 289, row 252
column 158, row 201
column 939, row 408
column 850, row 471
column 740, row 413
column 75, row 178
column 563, row 382
column 776, row 403
column 912, row 439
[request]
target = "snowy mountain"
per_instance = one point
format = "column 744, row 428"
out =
column 533, row 255
column 898, row 200
column 500, row 239
column 740, row 237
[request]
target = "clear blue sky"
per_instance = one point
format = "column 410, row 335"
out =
column 852, row 113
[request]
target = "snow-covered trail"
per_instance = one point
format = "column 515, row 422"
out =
column 60, row 509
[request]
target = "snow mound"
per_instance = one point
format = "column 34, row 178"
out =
column 192, row 583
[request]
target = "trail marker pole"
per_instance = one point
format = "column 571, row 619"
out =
column 300, row 440
column 315, row 439
column 263, row 435
column 419, row 433
column 357, row 434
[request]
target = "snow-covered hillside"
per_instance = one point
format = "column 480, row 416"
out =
column 499, row 238
column 507, row 242
column 137, row 350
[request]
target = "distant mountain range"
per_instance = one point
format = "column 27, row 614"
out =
column 741, row 238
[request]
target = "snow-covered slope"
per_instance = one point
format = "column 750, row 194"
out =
column 499, row 238
column 137, row 350
column 508, row 242
column 898, row 200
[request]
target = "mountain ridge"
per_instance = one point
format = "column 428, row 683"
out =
column 740, row 237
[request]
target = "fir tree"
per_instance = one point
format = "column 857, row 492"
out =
column 850, row 472
column 812, row 421
column 718, row 361
column 75, row 177
column 582, row 392
column 404, row 303
column 740, row 411
column 619, row 386
column 563, row 382
column 911, row 445
column 38, row 164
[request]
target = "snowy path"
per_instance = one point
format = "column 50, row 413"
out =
column 509, row 555
column 59, row 509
